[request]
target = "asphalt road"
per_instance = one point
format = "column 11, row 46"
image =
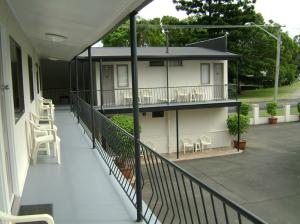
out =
column 265, row 178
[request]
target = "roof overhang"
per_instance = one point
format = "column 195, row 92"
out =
column 82, row 22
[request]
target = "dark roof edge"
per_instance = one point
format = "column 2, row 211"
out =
column 183, row 57
column 218, row 43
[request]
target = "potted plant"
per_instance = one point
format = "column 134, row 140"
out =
column 245, row 108
column 298, row 107
column 272, row 110
column 122, row 144
column 232, row 124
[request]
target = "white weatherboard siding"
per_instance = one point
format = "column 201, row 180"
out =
column 17, row 142
column 161, row 132
column 156, row 76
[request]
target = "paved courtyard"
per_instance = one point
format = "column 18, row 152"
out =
column 265, row 178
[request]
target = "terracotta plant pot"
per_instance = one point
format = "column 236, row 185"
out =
column 273, row 120
column 126, row 170
column 241, row 144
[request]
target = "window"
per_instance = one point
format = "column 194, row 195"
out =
column 174, row 63
column 158, row 114
column 155, row 63
column 30, row 73
column 17, row 78
column 218, row 69
column 37, row 77
column 205, row 73
column 122, row 75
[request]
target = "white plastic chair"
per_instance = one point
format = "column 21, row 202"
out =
column 46, row 107
column 187, row 144
column 205, row 141
column 41, row 136
column 127, row 97
column 26, row 218
column 43, row 121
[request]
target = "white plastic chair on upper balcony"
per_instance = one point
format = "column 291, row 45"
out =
column 205, row 141
column 187, row 144
column 26, row 218
column 43, row 136
column 127, row 97
column 146, row 96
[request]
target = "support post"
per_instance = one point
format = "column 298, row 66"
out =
column 133, row 47
column 83, row 80
column 77, row 87
column 277, row 66
column 101, row 83
column 238, row 126
column 177, row 135
column 167, row 68
column 70, row 86
column 237, row 80
column 92, row 97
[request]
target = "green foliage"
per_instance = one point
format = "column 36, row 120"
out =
column 298, row 107
column 245, row 108
column 272, row 108
column 145, row 36
column 257, row 48
column 124, row 122
column 120, row 142
column 232, row 124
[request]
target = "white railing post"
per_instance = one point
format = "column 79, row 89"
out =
column 287, row 112
column 255, row 108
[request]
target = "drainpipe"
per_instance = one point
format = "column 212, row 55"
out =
column 133, row 48
column 92, row 97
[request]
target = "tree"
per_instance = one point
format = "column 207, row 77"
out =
column 145, row 36
column 257, row 48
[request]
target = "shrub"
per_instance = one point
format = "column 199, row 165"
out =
column 232, row 124
column 245, row 108
column 272, row 108
column 120, row 142
column 123, row 121
column 298, row 107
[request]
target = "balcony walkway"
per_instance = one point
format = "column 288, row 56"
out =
column 80, row 189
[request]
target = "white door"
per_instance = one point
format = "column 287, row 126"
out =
column 3, row 91
column 218, row 81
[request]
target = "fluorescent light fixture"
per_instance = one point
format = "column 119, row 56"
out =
column 53, row 59
column 55, row 37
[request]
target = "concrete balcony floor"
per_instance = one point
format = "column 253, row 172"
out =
column 80, row 189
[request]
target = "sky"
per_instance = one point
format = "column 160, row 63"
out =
column 283, row 12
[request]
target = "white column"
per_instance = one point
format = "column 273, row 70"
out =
column 255, row 108
column 287, row 112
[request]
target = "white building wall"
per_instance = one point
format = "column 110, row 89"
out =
column 156, row 76
column 160, row 133
column 17, row 142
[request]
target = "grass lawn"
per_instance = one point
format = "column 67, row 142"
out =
column 259, row 95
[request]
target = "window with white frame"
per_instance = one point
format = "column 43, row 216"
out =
column 122, row 76
column 205, row 73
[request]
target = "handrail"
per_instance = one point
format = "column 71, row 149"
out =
column 26, row 218
column 170, row 193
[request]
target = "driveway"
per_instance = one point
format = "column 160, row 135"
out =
column 265, row 178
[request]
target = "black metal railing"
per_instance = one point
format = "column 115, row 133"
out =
column 162, row 95
column 170, row 194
